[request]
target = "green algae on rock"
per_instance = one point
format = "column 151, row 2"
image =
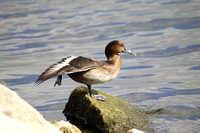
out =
column 113, row 115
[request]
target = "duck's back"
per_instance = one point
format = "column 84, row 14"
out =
column 107, row 71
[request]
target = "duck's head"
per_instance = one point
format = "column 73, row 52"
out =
column 116, row 47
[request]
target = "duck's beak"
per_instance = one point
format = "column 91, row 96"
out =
column 126, row 50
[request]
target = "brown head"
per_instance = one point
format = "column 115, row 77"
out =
column 116, row 47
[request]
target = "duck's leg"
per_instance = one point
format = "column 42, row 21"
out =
column 59, row 80
column 97, row 97
column 90, row 90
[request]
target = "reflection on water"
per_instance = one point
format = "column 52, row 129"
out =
column 165, row 35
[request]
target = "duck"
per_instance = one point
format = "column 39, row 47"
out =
column 88, row 71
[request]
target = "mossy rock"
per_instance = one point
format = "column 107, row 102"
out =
column 113, row 115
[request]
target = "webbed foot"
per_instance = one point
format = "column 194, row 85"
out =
column 98, row 97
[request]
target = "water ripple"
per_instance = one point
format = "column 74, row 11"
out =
column 136, row 67
column 172, row 51
column 25, row 37
column 136, row 76
column 164, row 92
column 24, row 14
column 176, row 2
column 20, row 80
column 194, row 68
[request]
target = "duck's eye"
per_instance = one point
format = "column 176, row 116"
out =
column 119, row 44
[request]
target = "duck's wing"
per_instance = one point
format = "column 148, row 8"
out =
column 71, row 64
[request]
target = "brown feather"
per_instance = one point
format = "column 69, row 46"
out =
column 76, row 64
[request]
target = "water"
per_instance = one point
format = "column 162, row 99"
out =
column 165, row 34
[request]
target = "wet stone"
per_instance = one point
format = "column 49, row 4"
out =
column 113, row 115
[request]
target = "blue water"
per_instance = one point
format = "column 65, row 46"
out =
column 165, row 35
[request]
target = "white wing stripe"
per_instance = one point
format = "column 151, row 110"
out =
column 63, row 63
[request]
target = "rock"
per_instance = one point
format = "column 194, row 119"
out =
column 113, row 115
column 17, row 116
column 65, row 127
column 135, row 131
